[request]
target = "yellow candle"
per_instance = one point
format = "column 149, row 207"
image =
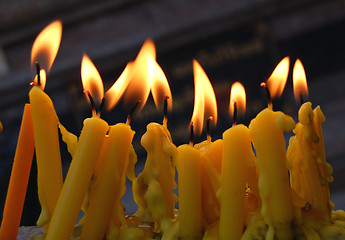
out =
column 188, row 161
column 47, row 148
column 78, row 179
column 306, row 178
column 109, row 175
column 267, row 131
column 236, row 153
column 19, row 178
column 210, row 182
column 159, row 166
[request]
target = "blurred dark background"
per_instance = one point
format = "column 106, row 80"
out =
column 234, row 40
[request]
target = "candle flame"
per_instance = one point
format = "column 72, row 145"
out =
column 238, row 95
column 159, row 85
column 299, row 78
column 113, row 95
column 205, row 104
column 277, row 80
column 138, row 88
column 91, row 79
column 46, row 46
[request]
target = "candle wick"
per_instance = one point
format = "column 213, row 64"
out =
column 268, row 95
column 208, row 128
column 94, row 112
column 101, row 107
column 38, row 72
column 129, row 117
column 191, row 134
column 234, row 120
column 165, row 109
column 301, row 100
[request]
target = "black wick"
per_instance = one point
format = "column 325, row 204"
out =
column 268, row 95
column 38, row 72
column 208, row 128
column 234, row 118
column 191, row 134
column 129, row 117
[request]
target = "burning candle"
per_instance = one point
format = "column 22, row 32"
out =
column 236, row 154
column 206, row 106
column 267, row 131
column 109, row 184
column 45, row 123
column 19, row 178
column 310, row 173
column 80, row 172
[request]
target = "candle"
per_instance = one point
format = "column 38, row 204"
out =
column 206, row 105
column 310, row 173
column 110, row 176
column 153, row 188
column 269, row 143
column 236, row 154
column 45, row 123
column 83, row 162
column 188, row 163
column 19, row 178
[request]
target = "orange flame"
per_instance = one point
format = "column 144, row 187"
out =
column 91, row 79
column 138, row 88
column 113, row 95
column 46, row 46
column 277, row 80
column 205, row 103
column 238, row 95
column 159, row 85
column 299, row 78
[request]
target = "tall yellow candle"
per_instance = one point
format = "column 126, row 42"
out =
column 47, row 148
column 188, row 161
column 78, row 179
column 45, row 122
column 83, row 161
column 235, row 159
column 19, row 179
column 109, row 174
column 236, row 152
column 267, row 131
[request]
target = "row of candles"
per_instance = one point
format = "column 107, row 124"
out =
column 223, row 186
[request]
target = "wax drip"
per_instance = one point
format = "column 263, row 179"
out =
column 191, row 134
column 129, row 117
column 268, row 95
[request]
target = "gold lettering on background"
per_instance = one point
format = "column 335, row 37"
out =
column 219, row 55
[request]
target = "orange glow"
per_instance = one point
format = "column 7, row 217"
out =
column 139, row 83
column 300, row 86
column 238, row 95
column 43, row 79
column 91, row 79
column 46, row 45
column 277, row 80
column 113, row 95
column 205, row 104
column 159, row 85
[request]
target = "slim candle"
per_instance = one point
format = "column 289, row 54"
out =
column 45, row 123
column 236, row 154
column 82, row 166
column 110, row 176
column 188, row 161
column 19, row 178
